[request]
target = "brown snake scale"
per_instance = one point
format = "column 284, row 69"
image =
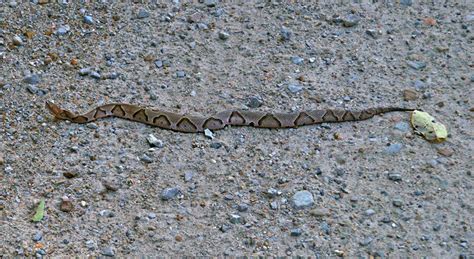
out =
column 187, row 123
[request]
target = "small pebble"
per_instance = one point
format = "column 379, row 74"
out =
column 393, row 148
column 406, row 2
column 215, row 145
column 88, row 19
column 296, row 232
column 394, row 177
column 409, row 95
column 17, row 41
column 142, row 14
column 224, row 228
column 151, row 215
column 63, row 29
column 90, row 244
column 369, row 212
column 297, row 60
column 302, row 200
column 145, row 158
column 84, row 71
column 108, row 251
column 188, row 176
column 366, row 241
column 38, row 236
column 170, row 193
column 243, row 207
column 32, row 79
column 180, row 74
column 235, row 218
column 324, row 226
column 223, row 35
column 254, row 102
column 350, row 20
column 107, row 213
column 210, row 3
column 94, row 75
column 285, row 34
column 208, row 133
column 154, row 142
column 445, row 151
column 418, row 65
column 319, row 212
column 66, row 205
column 397, row 202
column 294, row 88
column 159, row 63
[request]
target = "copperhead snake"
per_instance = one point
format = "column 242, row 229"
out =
column 188, row 123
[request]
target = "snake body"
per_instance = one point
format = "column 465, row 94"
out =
column 188, row 123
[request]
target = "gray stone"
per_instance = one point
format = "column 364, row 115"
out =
column 393, row 149
column 158, row 63
column 107, row 213
column 296, row 232
column 88, row 19
column 418, row 65
column 17, row 40
column 151, row 215
column 210, row 3
column 154, row 142
column 297, row 60
column 223, row 35
column 85, row 71
column 394, row 177
column 469, row 17
column 142, row 14
column 170, row 193
column 350, row 20
column 188, row 176
column 208, row 133
column 180, row 74
column 145, row 158
column 38, row 236
column 254, row 102
column 402, row 126
column 397, row 202
column 419, row 85
column 228, row 197
column 32, row 79
column 302, row 200
column 242, row 207
column 224, row 228
column 294, row 88
column 94, row 75
column 272, row 193
column 235, row 218
column 63, row 29
column 369, row 212
column 406, row 2
column 108, row 251
column 324, row 226
column 35, row 90
column 285, row 34
column 215, row 145
column 366, row 241
column 113, row 75
column 90, row 244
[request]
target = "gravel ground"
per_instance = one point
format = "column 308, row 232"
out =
column 348, row 189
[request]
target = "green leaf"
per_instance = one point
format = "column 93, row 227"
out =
column 39, row 211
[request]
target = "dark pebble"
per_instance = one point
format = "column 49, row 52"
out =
column 366, row 241
column 296, row 232
column 285, row 34
column 215, row 145
column 142, row 13
column 180, row 74
column 394, row 177
column 243, row 207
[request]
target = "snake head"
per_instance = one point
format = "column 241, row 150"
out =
column 58, row 112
